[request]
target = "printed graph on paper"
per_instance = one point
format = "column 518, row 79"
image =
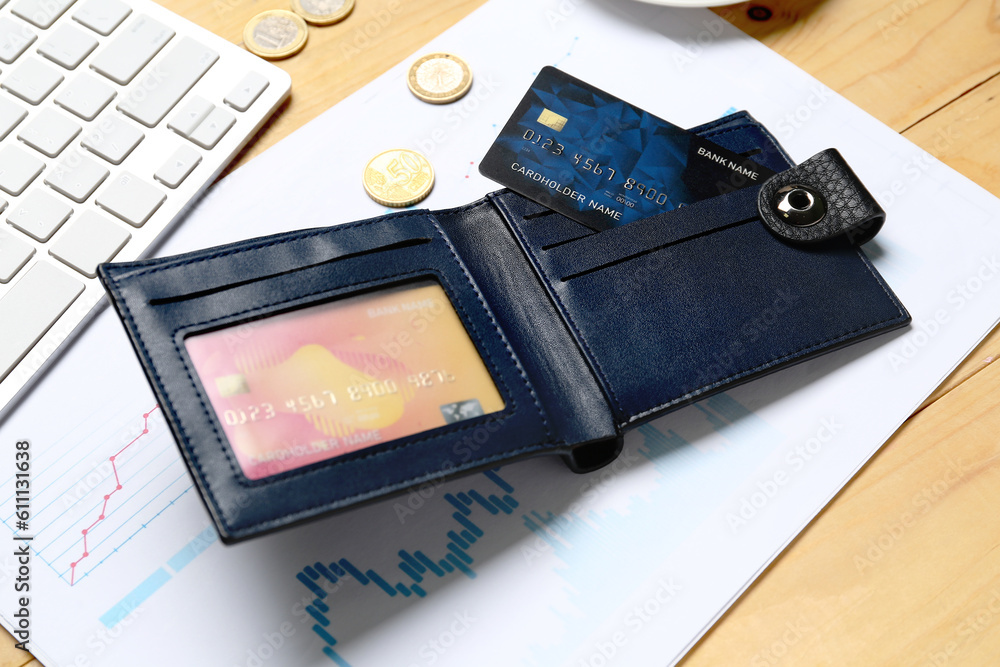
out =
column 99, row 486
column 574, row 542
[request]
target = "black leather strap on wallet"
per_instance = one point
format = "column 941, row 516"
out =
column 819, row 200
column 583, row 334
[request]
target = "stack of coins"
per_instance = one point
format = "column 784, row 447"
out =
column 279, row 33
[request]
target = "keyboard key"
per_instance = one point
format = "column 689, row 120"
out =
column 173, row 172
column 132, row 49
column 15, row 37
column 18, row 168
column 102, row 16
column 76, row 177
column 89, row 241
column 32, row 80
column 85, row 96
column 49, row 132
column 39, row 215
column 30, row 307
column 246, row 91
column 190, row 116
column 68, row 46
column 113, row 138
column 172, row 78
column 213, row 128
column 41, row 13
column 10, row 115
column 131, row 199
column 14, row 253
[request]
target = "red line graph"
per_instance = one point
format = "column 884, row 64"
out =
column 107, row 497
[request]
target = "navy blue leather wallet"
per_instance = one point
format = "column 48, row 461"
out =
column 476, row 336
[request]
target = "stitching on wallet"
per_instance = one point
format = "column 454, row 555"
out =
column 232, row 464
column 662, row 246
column 773, row 362
column 291, row 474
column 399, row 486
column 885, row 288
column 209, row 291
column 568, row 317
column 483, row 201
column 633, row 416
column 496, row 327
column 285, row 239
column 167, row 405
column 330, row 463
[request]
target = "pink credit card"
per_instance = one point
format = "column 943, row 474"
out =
column 313, row 384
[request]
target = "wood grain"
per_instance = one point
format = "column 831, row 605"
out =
column 337, row 59
column 965, row 135
column 900, row 60
column 902, row 568
column 10, row 656
column 960, row 91
column 893, row 572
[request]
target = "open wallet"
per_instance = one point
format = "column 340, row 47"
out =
column 315, row 370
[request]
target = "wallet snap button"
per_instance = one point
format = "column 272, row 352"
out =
column 799, row 205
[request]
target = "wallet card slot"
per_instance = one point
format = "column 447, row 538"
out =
column 258, row 260
column 537, row 331
column 559, row 230
column 562, row 242
column 670, row 308
column 692, row 318
column 332, row 319
column 620, row 244
column 636, row 255
column 400, row 245
column 546, row 228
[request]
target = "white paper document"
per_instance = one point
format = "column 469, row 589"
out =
column 625, row 566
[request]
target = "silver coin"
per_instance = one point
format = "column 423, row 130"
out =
column 275, row 32
column 439, row 75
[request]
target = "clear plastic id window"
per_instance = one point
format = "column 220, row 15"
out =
column 301, row 387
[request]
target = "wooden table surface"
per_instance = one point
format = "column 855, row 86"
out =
column 902, row 568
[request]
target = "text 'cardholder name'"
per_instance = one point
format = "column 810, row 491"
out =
column 604, row 162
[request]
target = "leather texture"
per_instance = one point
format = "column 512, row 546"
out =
column 161, row 301
column 851, row 211
column 674, row 307
column 585, row 333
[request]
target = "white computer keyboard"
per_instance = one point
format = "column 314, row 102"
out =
column 114, row 116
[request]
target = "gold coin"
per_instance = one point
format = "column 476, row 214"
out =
column 398, row 178
column 322, row 12
column 275, row 34
column 439, row 78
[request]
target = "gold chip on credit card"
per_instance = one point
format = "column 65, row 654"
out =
column 552, row 119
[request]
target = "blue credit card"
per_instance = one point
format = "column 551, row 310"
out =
column 604, row 162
